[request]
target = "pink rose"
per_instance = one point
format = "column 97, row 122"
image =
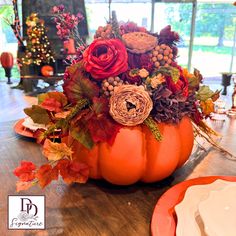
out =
column 105, row 58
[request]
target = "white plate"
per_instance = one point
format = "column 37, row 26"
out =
column 189, row 222
column 28, row 123
column 218, row 212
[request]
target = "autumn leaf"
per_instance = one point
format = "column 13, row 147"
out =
column 62, row 114
column 193, row 81
column 21, row 186
column 207, row 106
column 103, row 129
column 25, row 172
column 73, row 171
column 171, row 71
column 51, row 104
column 82, row 134
column 101, row 126
column 204, row 93
column 56, row 151
column 46, row 174
column 40, row 136
column 198, row 75
column 38, row 114
column 58, row 96
column 79, row 85
column 216, row 95
column 100, row 105
column 175, row 74
column 78, row 117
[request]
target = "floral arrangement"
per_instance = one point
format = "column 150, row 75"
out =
column 126, row 77
column 67, row 24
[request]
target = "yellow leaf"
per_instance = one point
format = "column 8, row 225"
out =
column 207, row 106
column 56, row 151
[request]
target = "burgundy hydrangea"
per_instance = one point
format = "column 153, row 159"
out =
column 131, row 78
column 139, row 61
column 167, row 36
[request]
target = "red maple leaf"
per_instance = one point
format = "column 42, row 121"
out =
column 103, row 129
column 59, row 96
column 25, row 171
column 73, row 171
column 45, row 174
column 101, row 126
column 51, row 104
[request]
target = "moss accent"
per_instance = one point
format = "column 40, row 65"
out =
column 152, row 125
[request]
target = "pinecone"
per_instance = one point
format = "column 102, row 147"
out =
column 162, row 55
column 109, row 85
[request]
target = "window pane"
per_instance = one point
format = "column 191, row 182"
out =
column 178, row 15
column 214, row 36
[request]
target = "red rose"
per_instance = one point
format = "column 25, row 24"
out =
column 105, row 58
column 25, row 172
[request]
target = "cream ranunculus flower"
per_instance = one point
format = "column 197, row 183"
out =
column 130, row 105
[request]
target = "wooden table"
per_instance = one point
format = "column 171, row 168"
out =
column 98, row 208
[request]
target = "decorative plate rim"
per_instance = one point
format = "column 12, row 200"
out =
column 163, row 213
column 21, row 130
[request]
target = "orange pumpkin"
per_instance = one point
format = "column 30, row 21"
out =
column 7, row 60
column 137, row 156
column 47, row 70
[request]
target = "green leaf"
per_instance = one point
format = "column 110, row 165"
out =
column 79, row 85
column 193, row 82
column 171, row 71
column 82, row 135
column 204, row 93
column 100, row 105
column 42, row 97
column 38, row 114
column 174, row 74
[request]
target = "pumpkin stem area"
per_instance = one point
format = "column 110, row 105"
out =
column 152, row 125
